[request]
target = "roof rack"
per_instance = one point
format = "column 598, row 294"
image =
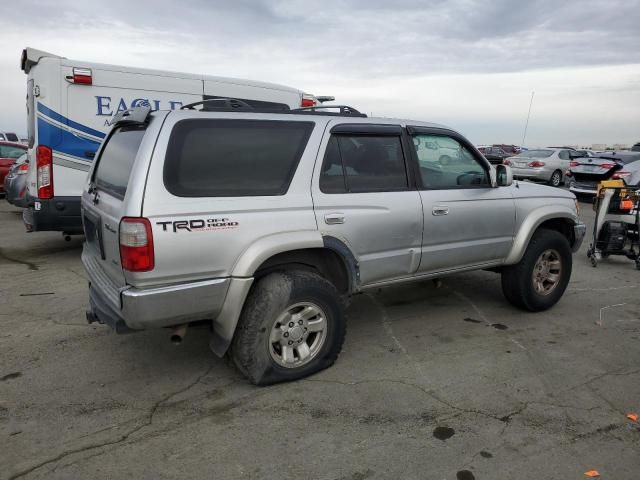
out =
column 235, row 105
column 135, row 115
column 226, row 104
column 344, row 110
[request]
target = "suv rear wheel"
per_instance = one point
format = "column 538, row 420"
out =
column 538, row 281
column 292, row 325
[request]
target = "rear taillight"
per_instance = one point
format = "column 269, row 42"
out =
column 573, row 164
column 308, row 101
column 621, row 175
column 136, row 244
column 44, row 165
column 607, row 165
column 536, row 164
column 22, row 169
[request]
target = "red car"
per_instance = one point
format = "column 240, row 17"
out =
column 9, row 152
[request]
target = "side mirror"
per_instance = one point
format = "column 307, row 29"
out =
column 504, row 175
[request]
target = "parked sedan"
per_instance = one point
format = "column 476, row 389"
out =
column 9, row 152
column 587, row 172
column 15, row 183
column 544, row 165
column 495, row 155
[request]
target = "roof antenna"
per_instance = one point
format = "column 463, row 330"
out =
column 526, row 125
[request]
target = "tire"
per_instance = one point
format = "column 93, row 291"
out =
column 556, row 179
column 518, row 283
column 272, row 298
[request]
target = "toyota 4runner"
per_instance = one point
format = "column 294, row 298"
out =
column 264, row 223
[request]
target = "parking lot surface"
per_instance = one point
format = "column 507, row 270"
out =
column 435, row 382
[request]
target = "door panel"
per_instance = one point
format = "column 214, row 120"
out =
column 466, row 220
column 362, row 196
column 383, row 230
column 476, row 228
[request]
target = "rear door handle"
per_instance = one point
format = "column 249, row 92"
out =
column 440, row 210
column 334, row 218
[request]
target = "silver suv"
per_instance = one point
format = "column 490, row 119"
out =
column 263, row 224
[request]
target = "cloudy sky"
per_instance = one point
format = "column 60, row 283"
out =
column 465, row 63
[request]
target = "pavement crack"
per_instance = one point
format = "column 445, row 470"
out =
column 148, row 422
column 10, row 259
column 505, row 418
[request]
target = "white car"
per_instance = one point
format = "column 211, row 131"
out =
column 9, row 137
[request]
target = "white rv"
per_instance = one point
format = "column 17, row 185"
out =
column 70, row 104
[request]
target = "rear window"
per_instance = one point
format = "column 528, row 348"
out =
column 234, row 158
column 116, row 160
column 624, row 159
column 8, row 151
column 536, row 153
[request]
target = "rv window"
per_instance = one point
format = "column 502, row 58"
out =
column 116, row 160
column 228, row 158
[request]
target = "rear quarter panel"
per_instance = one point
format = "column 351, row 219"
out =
column 237, row 222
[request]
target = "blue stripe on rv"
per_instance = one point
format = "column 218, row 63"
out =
column 64, row 141
column 62, row 119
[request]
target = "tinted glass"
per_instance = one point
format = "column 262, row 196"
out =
column 536, row 154
column 7, row 151
column 208, row 158
column 372, row 163
column 12, row 137
column 116, row 160
column 332, row 175
column 445, row 163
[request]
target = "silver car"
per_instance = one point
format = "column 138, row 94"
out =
column 543, row 165
column 263, row 224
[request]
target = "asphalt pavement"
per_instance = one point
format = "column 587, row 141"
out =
column 435, row 382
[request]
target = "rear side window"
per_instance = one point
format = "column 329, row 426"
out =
column 12, row 137
column 363, row 163
column 234, row 158
column 116, row 160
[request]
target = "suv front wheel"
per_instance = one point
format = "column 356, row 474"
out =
column 538, row 281
column 292, row 325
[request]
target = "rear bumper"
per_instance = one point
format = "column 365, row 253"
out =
column 60, row 214
column 579, row 232
column 127, row 309
column 583, row 188
column 531, row 173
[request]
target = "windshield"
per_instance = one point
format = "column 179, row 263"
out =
column 536, row 154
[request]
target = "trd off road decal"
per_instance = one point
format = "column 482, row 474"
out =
column 199, row 225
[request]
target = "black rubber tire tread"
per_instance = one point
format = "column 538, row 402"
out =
column 516, row 279
column 268, row 297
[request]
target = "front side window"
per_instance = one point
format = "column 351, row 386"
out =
column 116, row 160
column 363, row 163
column 234, row 158
column 446, row 163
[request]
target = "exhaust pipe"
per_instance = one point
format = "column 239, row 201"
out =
column 178, row 333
